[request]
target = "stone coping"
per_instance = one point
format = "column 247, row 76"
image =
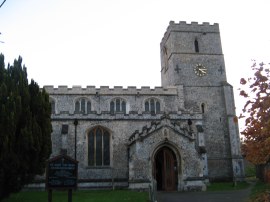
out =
column 106, row 90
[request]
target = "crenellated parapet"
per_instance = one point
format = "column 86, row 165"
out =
column 183, row 26
column 105, row 90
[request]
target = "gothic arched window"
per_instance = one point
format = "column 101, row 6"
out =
column 152, row 105
column 83, row 106
column 196, row 44
column 118, row 105
column 203, row 107
column 98, row 147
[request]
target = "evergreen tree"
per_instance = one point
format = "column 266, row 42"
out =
column 25, row 128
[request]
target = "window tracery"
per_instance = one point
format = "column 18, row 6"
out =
column 99, row 147
column 118, row 105
column 152, row 105
column 83, row 106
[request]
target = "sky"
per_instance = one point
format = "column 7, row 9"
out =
column 117, row 42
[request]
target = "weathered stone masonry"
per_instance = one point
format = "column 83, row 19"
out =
column 181, row 134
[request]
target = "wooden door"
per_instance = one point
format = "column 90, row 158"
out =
column 164, row 170
column 168, row 170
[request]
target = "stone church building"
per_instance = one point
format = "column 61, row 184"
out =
column 182, row 134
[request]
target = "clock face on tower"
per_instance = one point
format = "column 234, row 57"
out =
column 200, row 70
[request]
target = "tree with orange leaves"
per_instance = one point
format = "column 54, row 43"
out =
column 256, row 112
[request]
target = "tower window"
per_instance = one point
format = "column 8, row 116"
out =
column 196, row 44
column 203, row 107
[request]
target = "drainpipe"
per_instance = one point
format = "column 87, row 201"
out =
column 75, row 144
column 128, row 158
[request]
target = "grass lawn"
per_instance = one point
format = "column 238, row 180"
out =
column 226, row 186
column 80, row 196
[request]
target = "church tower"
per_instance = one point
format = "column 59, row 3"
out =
column 192, row 60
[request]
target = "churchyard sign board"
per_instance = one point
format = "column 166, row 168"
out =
column 62, row 173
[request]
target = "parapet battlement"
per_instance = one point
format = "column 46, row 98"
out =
column 105, row 90
column 183, row 26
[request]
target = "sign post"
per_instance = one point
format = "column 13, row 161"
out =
column 61, row 174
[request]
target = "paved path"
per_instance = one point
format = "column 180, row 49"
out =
column 208, row 196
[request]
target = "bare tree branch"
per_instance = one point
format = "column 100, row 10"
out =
column 2, row 3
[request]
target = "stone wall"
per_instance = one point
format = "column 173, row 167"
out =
column 210, row 93
column 195, row 119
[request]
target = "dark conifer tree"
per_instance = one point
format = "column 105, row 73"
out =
column 25, row 128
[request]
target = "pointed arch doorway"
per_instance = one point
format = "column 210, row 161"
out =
column 165, row 169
